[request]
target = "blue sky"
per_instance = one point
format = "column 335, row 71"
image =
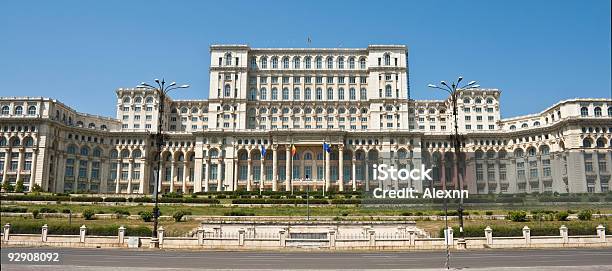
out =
column 536, row 52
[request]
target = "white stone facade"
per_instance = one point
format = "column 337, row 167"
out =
column 357, row 100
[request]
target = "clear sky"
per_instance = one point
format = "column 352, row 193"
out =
column 536, row 52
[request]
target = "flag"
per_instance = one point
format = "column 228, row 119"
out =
column 263, row 151
column 309, row 40
column 293, row 150
column 326, row 147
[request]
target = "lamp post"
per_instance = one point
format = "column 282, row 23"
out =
column 454, row 89
column 162, row 90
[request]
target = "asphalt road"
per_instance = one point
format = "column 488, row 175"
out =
column 133, row 260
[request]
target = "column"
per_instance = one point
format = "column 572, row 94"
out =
column 354, row 171
column 19, row 164
column 172, row 175
column 33, row 170
column 118, row 177
column 7, row 162
column 186, row 175
column 219, row 177
column 206, row 174
column 130, row 168
column 443, row 171
column 341, row 168
column 261, row 174
column 367, row 174
column 77, row 167
column 144, row 175
column 249, row 162
column 88, row 173
column 327, row 171
column 274, row 168
column 288, row 159
column 197, row 172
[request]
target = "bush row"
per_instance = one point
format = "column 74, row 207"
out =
column 536, row 230
column 107, row 199
column 34, row 227
column 279, row 201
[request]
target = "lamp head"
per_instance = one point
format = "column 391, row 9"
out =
column 432, row 86
column 459, row 80
column 443, row 83
column 156, row 80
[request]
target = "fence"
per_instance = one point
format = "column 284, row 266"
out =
column 329, row 240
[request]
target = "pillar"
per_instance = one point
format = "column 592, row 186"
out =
column 121, row 234
column 564, row 234
column 33, row 170
column 527, row 235
column 341, row 168
column 82, row 232
column 261, row 174
column 327, row 171
column 449, row 236
column 172, row 175
column 118, row 177
column 249, row 162
column 601, row 232
column 160, row 235
column 274, row 168
column 367, row 174
column 354, row 171
column 44, row 232
column 288, row 159
column 219, row 177
column 130, row 169
column 489, row 235
column 186, row 175
column 206, row 174
column 7, row 231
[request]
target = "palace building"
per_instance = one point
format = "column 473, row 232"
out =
column 287, row 102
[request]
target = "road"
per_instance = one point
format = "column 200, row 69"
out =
column 136, row 260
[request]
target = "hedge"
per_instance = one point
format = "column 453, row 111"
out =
column 86, row 199
column 35, row 198
column 115, row 199
column 279, row 201
column 513, row 231
column 34, row 227
column 12, row 209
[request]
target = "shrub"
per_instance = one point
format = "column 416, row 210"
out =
column 19, row 186
column 15, row 209
column 88, row 214
column 35, row 213
column 562, row 216
column 406, row 214
column 419, row 213
column 120, row 211
column 146, row 216
column 34, row 227
column 239, row 213
column 179, row 215
column 142, row 199
column 66, row 211
column 86, row 199
column 115, row 199
column 36, row 188
column 517, row 216
column 47, row 210
column 172, row 195
column 7, row 187
column 585, row 215
column 489, row 213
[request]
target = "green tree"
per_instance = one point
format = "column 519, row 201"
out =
column 7, row 187
column 36, row 188
column 19, row 186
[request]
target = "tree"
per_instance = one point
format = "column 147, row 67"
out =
column 19, row 186
column 36, row 188
column 7, row 187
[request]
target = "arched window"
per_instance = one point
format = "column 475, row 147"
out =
column 296, row 62
column 489, row 100
column 524, row 125
column 253, row 63
column 285, row 62
column 478, row 101
column 138, row 100
column 2, row 141
column 584, row 111
column 252, row 94
column 285, row 94
column 194, row 110
column 214, row 153
column 296, row 93
column 114, row 154
column 263, row 94
column 307, row 62
column 610, row 111
column 91, row 125
column 126, row 100
column 466, row 100
column 388, row 91
column 136, row 153
column 341, row 94
column 228, row 59
column 341, row 63
column 587, row 142
column 227, row 90
column 274, row 94
column 84, row 151
column 307, row 94
column 330, row 62
column 352, row 94
column 537, row 123
column 597, row 111
column 518, row 153
column 264, row 62
column 97, row 152
column 16, row 142
column 544, row 150
column 512, row 127
column 28, row 142
column 5, row 110
column 149, row 100
column 319, row 62
column 32, row 110
column 351, row 63
column 319, row 94
column 330, row 93
column 363, row 94
column 71, row 149
column 274, row 63
column 362, row 63
column 308, row 156
column 600, row 143
column 18, row 110
column 387, row 60
column 125, row 154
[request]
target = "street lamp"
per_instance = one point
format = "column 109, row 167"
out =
column 453, row 89
column 162, row 90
